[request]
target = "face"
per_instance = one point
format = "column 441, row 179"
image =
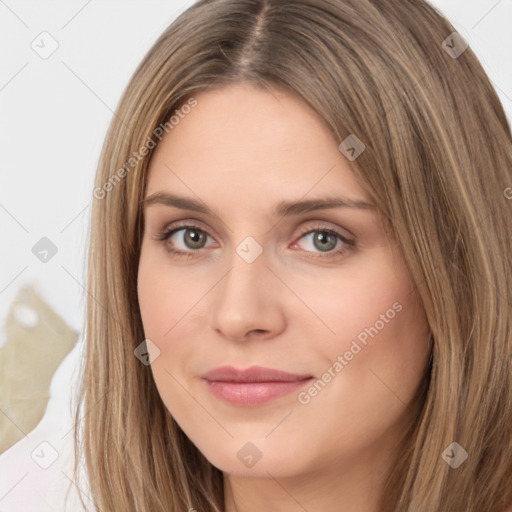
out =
column 243, row 265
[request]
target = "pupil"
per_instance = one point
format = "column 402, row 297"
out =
column 195, row 236
column 323, row 237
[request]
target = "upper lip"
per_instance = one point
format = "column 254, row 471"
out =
column 252, row 374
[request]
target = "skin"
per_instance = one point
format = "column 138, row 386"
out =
column 241, row 151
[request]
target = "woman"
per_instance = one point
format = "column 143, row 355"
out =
column 299, row 275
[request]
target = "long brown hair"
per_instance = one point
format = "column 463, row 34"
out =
column 437, row 163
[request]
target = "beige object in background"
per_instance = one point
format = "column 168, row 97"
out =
column 37, row 342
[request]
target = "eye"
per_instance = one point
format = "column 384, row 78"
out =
column 186, row 240
column 191, row 239
column 326, row 241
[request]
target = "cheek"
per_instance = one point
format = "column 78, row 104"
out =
column 163, row 304
column 378, row 347
column 369, row 372
column 165, row 294
column 173, row 308
column 371, row 296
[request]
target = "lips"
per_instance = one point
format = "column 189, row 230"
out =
column 253, row 386
column 252, row 374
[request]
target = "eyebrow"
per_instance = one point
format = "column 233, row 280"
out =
column 283, row 208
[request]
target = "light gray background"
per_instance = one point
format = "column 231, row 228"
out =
column 53, row 118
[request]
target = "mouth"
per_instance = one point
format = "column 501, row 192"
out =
column 253, row 386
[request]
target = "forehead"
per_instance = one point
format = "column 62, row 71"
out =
column 242, row 115
column 244, row 141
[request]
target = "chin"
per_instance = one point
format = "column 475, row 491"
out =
column 256, row 459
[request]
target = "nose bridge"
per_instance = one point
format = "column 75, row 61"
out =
column 246, row 278
column 244, row 300
column 247, row 261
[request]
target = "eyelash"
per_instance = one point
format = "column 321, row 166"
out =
column 166, row 234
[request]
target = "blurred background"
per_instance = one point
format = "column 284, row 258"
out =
column 63, row 68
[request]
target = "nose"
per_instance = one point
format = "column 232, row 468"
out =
column 247, row 302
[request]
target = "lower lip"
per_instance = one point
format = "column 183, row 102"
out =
column 253, row 393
